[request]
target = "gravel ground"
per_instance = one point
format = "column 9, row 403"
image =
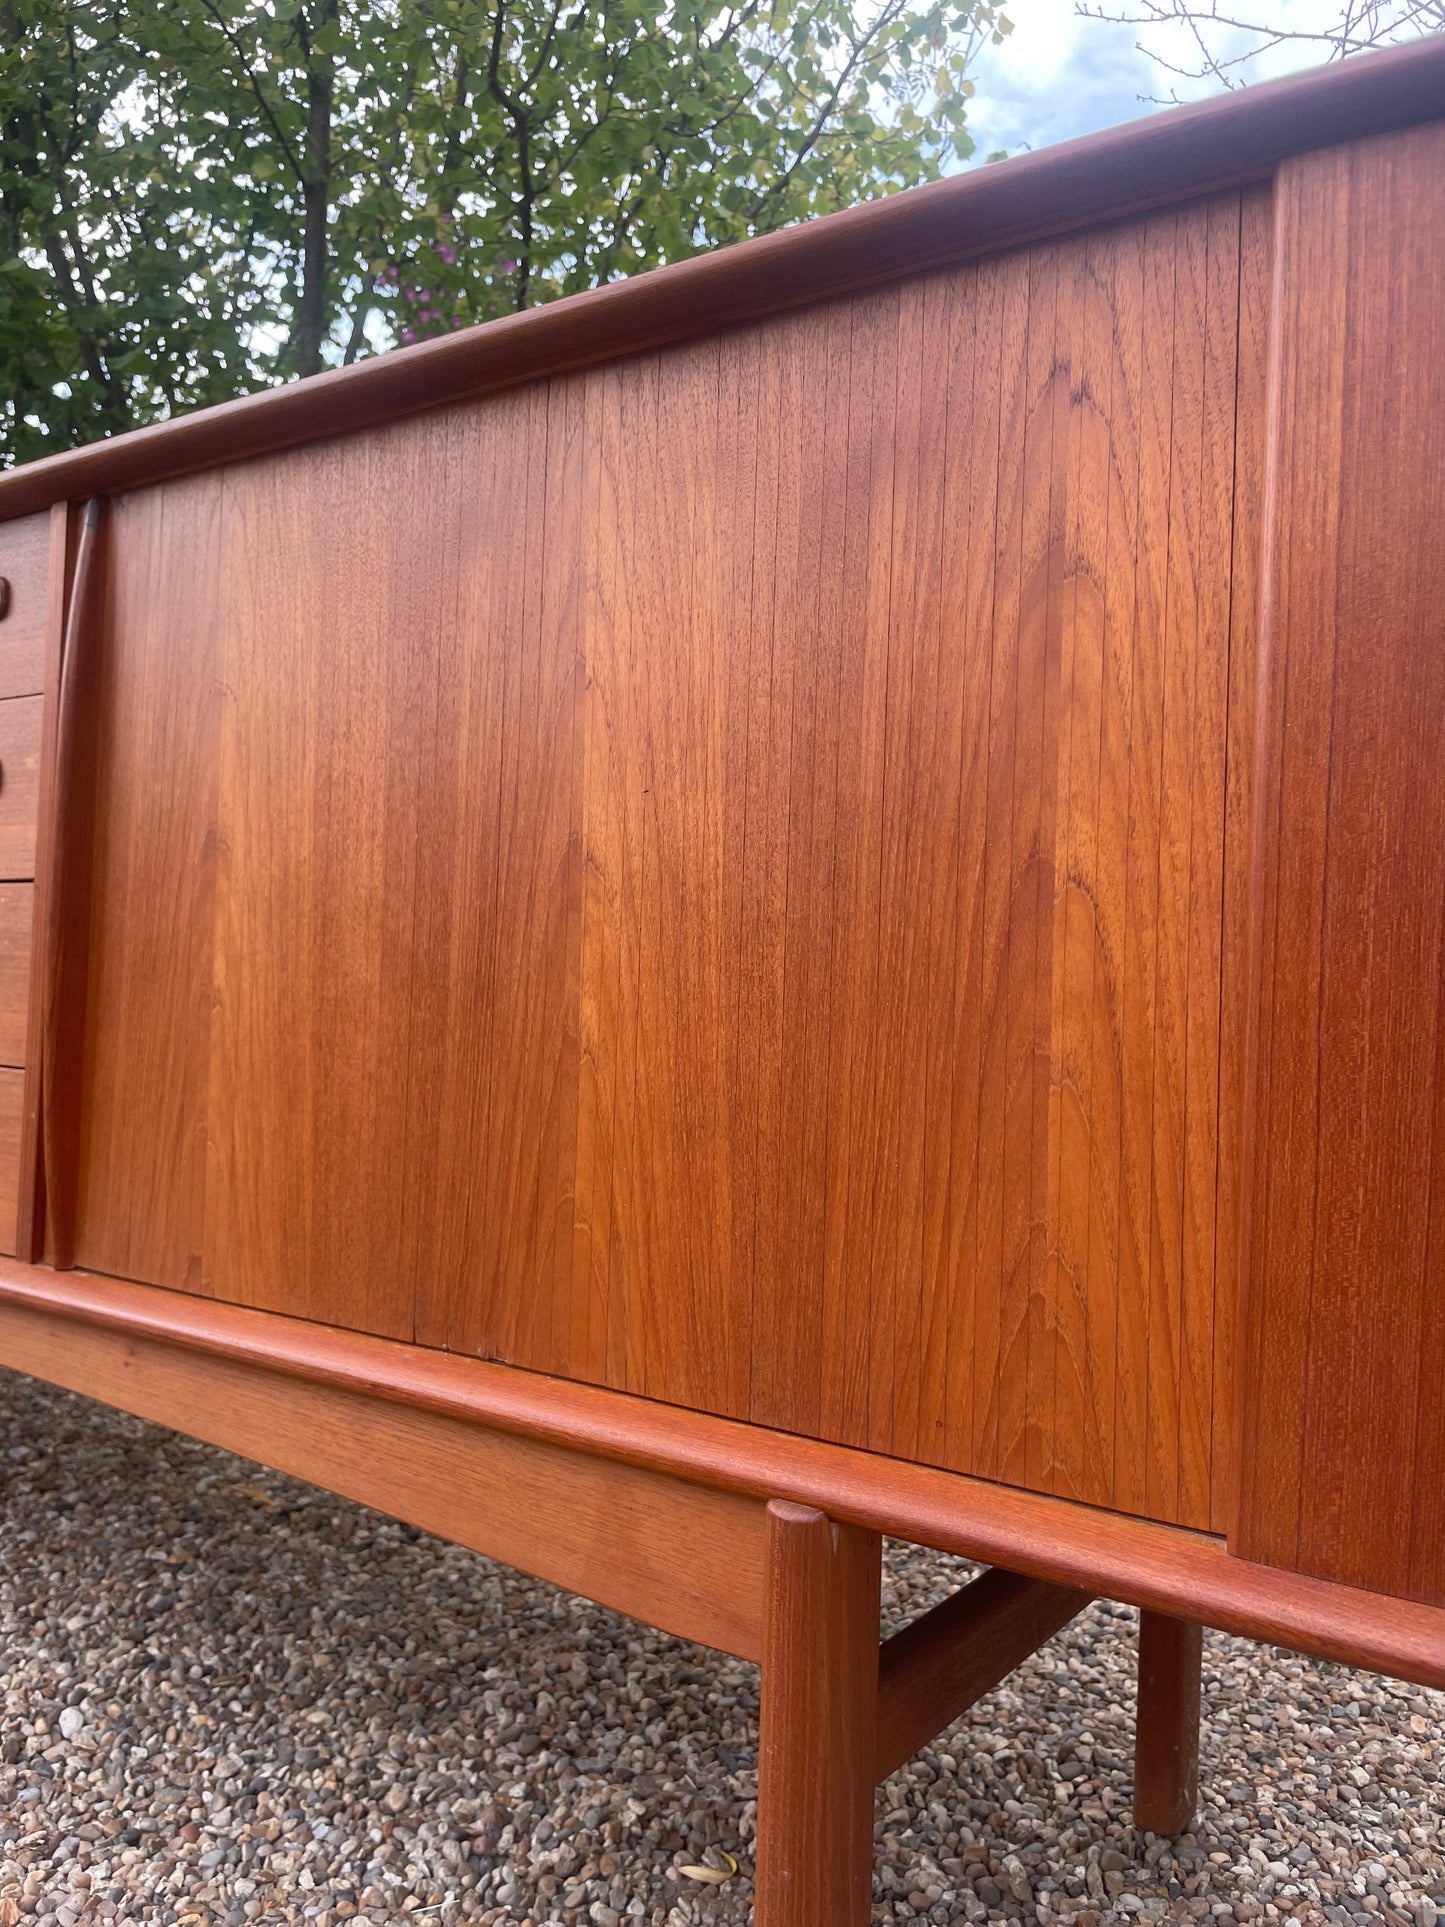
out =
column 225, row 1697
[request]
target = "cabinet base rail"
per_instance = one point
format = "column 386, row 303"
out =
column 762, row 1545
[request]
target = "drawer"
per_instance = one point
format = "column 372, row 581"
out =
column 19, row 786
column 24, row 571
column 12, row 1092
column 16, row 902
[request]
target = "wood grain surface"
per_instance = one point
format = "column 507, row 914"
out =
column 16, row 907
column 19, row 786
column 24, row 569
column 675, row 1555
column 142, row 842
column 1343, row 1353
column 12, row 1098
column 713, row 875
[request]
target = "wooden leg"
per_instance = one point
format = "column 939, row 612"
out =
column 1166, row 1734
column 818, row 1726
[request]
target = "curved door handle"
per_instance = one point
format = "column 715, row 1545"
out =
column 67, row 912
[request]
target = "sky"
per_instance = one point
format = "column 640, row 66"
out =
column 1058, row 74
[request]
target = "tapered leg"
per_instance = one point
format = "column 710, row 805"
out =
column 818, row 1727
column 1166, row 1735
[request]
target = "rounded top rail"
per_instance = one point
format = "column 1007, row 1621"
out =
column 1187, row 151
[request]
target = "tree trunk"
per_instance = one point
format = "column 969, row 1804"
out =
column 316, row 200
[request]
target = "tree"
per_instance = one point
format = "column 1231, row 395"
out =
column 1220, row 42
column 201, row 197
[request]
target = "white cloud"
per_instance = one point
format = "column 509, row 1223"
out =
column 1058, row 75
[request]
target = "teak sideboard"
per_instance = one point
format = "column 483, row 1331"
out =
column 795, row 899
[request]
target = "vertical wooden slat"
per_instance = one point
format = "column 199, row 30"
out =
column 663, row 680
column 590, row 1311
column 1083, row 1390
column 791, row 811
column 1000, row 1359
column 536, row 782
column 951, row 890
column 856, row 1045
column 53, row 1120
column 441, row 1048
column 1054, row 1187
column 834, row 775
column 460, row 995
column 1211, row 643
column 1255, row 260
column 1148, row 383
column 608, row 1151
column 1344, row 1272
column 1036, row 814
column 1279, row 1218
column 911, row 749
column 448, row 1036
column 560, row 773
column 1179, row 298
column 749, row 487
column 967, row 630
column 1128, row 812
column 638, row 564
column 30, row 1213
column 1022, row 1399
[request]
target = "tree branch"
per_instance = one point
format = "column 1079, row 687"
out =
column 255, row 85
column 1371, row 23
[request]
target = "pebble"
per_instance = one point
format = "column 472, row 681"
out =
column 227, row 1699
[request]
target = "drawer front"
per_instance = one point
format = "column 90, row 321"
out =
column 12, row 1092
column 16, row 903
column 19, row 786
column 24, row 573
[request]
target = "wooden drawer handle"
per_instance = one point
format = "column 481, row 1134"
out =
column 4, row 597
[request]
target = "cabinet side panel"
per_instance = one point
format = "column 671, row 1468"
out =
column 1342, row 1426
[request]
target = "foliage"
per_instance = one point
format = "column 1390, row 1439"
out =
column 200, row 197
